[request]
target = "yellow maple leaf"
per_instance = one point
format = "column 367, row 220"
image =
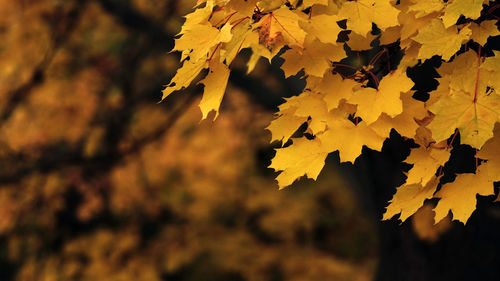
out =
column 410, row 58
column 468, row 106
column 360, row 43
column 323, row 27
column 425, row 7
column 492, row 63
column 459, row 196
column 303, row 157
column 492, row 66
column 295, row 111
column 334, row 138
column 461, row 75
column 245, row 8
column 372, row 103
column 285, row 124
column 481, row 32
column 196, row 17
column 360, row 15
column 409, row 198
column 281, row 24
column 314, row 58
column 406, row 122
column 474, row 119
column 454, row 9
column 436, row 39
column 425, row 162
column 442, row 90
column 390, row 35
column 335, row 89
column 411, row 24
column 309, row 104
column 200, row 39
column 424, row 137
column 491, row 152
column 215, row 87
column 184, row 76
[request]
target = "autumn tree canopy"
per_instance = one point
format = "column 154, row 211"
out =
column 347, row 103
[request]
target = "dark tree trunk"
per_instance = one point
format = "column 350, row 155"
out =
column 470, row 252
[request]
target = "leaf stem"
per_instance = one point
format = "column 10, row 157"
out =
column 218, row 9
column 237, row 52
column 493, row 8
column 440, row 172
column 452, row 139
column 375, row 79
column 213, row 53
column 377, row 57
column 238, row 21
column 225, row 19
column 344, row 65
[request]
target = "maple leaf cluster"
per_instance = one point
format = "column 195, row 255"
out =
column 344, row 112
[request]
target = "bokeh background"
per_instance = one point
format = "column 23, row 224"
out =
column 99, row 181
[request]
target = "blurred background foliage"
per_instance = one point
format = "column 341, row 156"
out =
column 99, row 182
